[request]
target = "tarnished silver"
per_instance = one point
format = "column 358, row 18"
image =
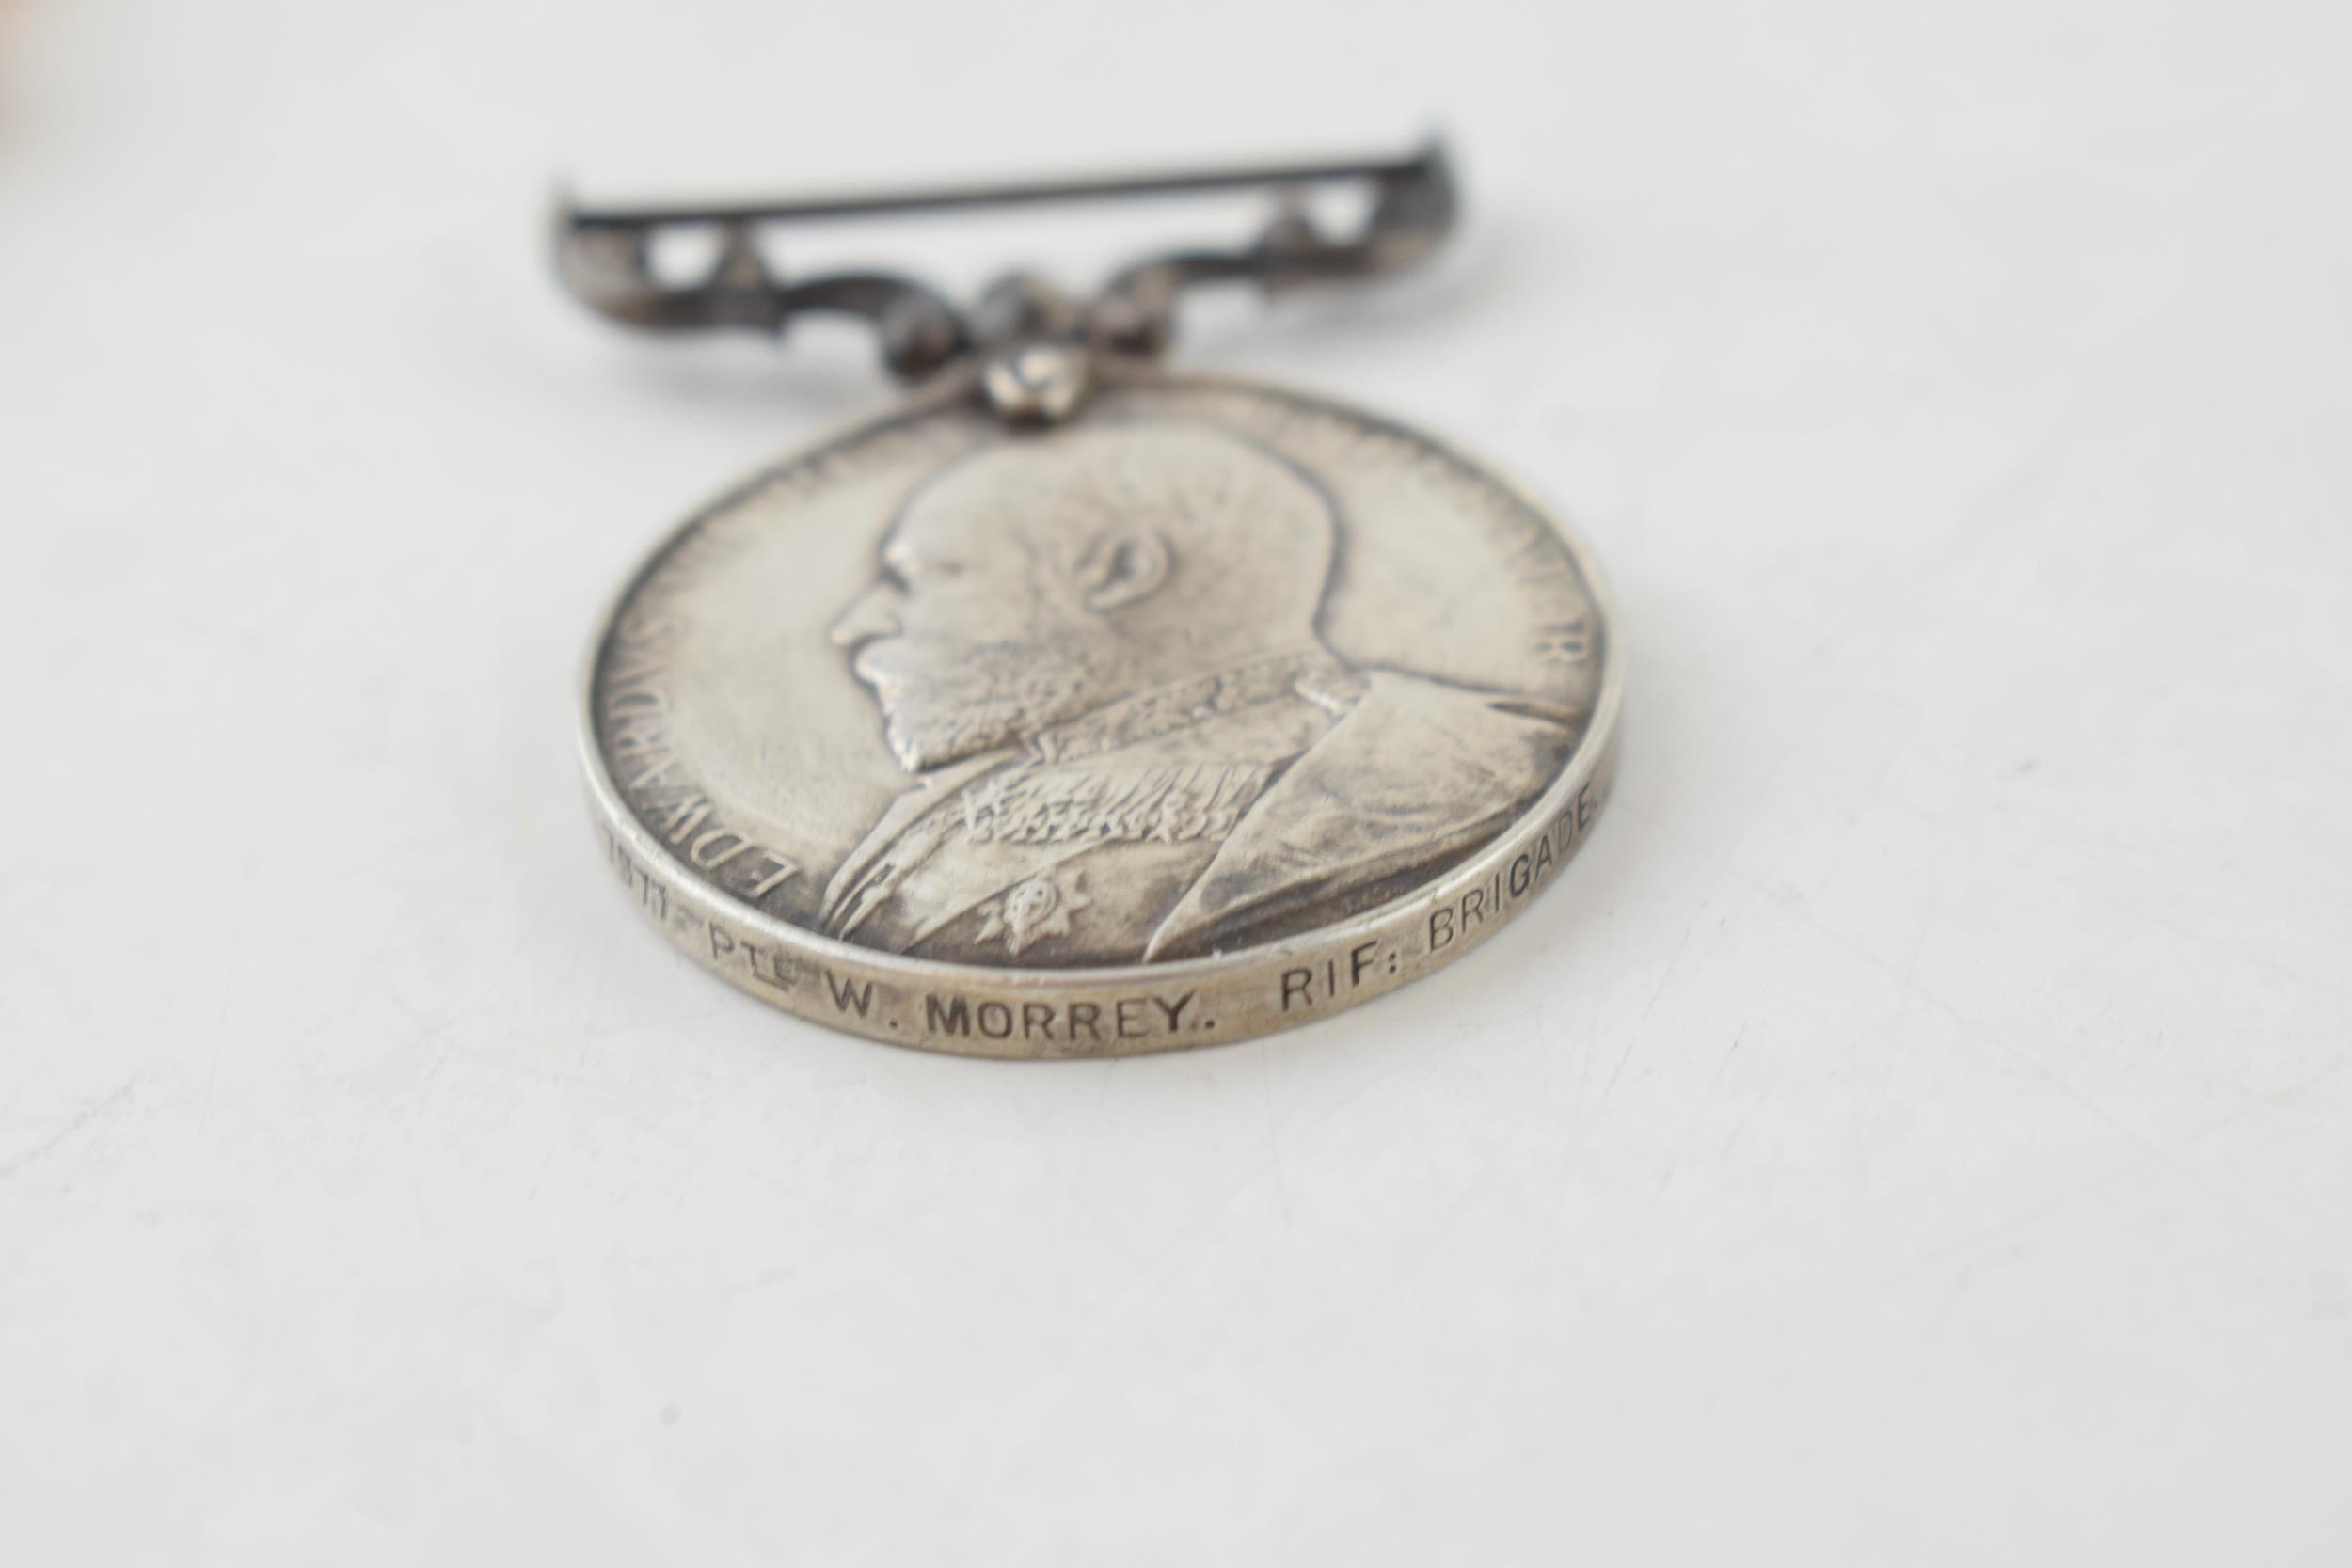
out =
column 1213, row 711
column 606, row 257
column 1037, row 382
column 1077, row 708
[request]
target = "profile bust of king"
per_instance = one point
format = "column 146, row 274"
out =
column 1095, row 649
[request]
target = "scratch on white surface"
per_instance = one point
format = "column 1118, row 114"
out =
column 1745, row 1117
column 2271, row 966
column 1633, row 1035
column 51, row 971
column 2151, row 1153
column 1883, row 1067
column 2278, row 1100
column 89, row 1116
column 1706, row 1096
column 1978, row 1030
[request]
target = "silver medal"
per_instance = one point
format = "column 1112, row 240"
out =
column 1078, row 708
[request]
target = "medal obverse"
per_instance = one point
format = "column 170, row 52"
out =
column 1077, row 708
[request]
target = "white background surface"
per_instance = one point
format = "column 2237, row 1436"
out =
column 1916, row 1129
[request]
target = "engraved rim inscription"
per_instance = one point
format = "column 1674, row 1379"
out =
column 1145, row 800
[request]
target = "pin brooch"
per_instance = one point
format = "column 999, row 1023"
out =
column 1074, row 707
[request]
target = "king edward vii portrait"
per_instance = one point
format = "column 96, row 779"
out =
column 1096, row 653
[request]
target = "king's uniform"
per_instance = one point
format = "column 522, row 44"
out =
column 1196, row 818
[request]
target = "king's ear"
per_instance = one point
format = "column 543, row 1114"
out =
column 1124, row 566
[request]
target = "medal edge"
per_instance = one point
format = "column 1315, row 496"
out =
column 840, row 966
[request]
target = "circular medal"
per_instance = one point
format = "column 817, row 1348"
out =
column 1204, row 711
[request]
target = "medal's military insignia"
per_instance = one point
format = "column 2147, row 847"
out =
column 1040, row 907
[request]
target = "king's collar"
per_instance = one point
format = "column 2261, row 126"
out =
column 1313, row 673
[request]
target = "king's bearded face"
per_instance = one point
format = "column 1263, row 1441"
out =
column 976, row 637
column 943, row 700
column 1035, row 582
